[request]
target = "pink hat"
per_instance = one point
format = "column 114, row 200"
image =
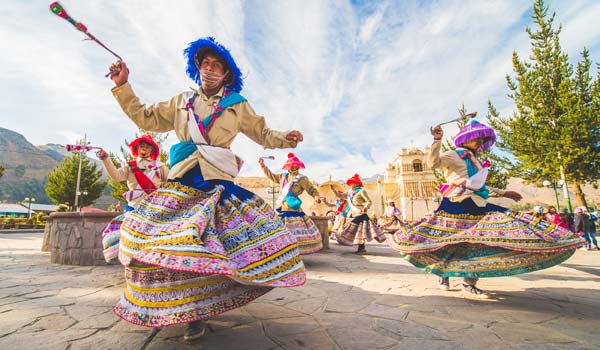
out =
column 292, row 161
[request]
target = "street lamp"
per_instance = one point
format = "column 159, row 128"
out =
column 554, row 185
column 273, row 190
column 83, row 143
column 29, row 200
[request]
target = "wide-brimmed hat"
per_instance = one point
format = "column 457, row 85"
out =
column 133, row 146
column 292, row 161
column 354, row 180
column 195, row 53
column 474, row 130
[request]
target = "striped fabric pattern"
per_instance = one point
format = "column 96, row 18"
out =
column 192, row 254
column 489, row 245
column 306, row 232
column 110, row 238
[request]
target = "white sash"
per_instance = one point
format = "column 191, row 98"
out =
column 353, row 208
column 286, row 187
column 473, row 184
column 221, row 158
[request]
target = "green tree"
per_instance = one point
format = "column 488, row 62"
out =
column 555, row 124
column 62, row 181
column 1, row 171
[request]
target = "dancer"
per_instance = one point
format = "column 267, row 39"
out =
column 341, row 212
column 143, row 175
column 360, row 228
column 470, row 238
column 200, row 245
column 289, row 204
column 391, row 219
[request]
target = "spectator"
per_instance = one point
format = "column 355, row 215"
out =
column 583, row 227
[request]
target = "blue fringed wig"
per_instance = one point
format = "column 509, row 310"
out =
column 195, row 53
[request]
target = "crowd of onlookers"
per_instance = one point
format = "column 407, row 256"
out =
column 582, row 221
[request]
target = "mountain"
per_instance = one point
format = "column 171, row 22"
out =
column 54, row 151
column 21, row 160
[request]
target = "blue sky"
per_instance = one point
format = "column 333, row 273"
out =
column 361, row 80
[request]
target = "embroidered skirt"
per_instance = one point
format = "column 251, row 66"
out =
column 304, row 229
column 390, row 225
column 193, row 252
column 110, row 238
column 338, row 225
column 359, row 230
column 464, row 240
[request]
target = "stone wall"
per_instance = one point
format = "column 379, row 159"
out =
column 76, row 238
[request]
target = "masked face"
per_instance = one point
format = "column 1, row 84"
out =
column 145, row 150
column 212, row 72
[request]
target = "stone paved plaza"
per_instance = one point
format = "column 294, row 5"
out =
column 375, row 301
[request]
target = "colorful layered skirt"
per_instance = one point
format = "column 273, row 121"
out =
column 110, row 238
column 359, row 230
column 390, row 225
column 338, row 225
column 464, row 240
column 304, row 229
column 194, row 251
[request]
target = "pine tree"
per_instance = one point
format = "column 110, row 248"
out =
column 62, row 181
column 555, row 124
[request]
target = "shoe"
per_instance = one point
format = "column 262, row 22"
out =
column 194, row 330
column 474, row 290
column 590, row 248
column 361, row 251
column 444, row 283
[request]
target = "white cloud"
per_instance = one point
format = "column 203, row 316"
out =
column 361, row 81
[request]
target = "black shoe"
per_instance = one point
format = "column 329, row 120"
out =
column 474, row 290
column 194, row 330
column 361, row 251
column 444, row 283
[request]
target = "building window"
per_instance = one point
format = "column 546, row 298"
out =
column 417, row 166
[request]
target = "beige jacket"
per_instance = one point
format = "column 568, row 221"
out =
column 126, row 174
column 302, row 185
column 455, row 171
column 360, row 200
column 172, row 115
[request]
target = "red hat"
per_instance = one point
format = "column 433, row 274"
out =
column 292, row 161
column 354, row 180
column 147, row 139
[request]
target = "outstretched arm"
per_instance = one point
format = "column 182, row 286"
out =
column 114, row 174
column 268, row 173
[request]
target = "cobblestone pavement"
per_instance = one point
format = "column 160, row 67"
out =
column 375, row 301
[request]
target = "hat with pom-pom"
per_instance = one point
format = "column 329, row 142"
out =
column 475, row 130
column 293, row 161
column 354, row 180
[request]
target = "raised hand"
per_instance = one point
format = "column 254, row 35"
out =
column 101, row 154
column 437, row 132
column 294, row 135
column 119, row 73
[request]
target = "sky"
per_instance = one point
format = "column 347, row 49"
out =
column 361, row 80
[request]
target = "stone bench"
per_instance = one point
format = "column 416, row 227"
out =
column 75, row 238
